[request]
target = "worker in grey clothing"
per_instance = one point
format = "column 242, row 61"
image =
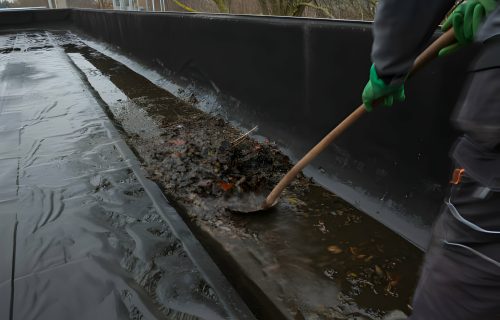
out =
column 461, row 274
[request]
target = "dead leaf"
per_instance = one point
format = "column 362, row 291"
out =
column 379, row 271
column 335, row 249
column 394, row 279
column 226, row 186
column 293, row 200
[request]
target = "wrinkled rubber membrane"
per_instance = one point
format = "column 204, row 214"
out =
column 80, row 235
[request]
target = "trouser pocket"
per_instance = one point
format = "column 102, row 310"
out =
column 471, row 220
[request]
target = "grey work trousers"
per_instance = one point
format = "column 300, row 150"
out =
column 460, row 279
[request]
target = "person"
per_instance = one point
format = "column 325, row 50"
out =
column 460, row 278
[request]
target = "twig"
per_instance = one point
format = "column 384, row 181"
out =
column 240, row 181
column 183, row 6
column 238, row 140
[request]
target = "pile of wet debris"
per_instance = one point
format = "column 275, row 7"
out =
column 315, row 256
column 204, row 157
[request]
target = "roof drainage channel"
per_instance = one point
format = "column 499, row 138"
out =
column 314, row 256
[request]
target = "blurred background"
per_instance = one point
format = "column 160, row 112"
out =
column 336, row 9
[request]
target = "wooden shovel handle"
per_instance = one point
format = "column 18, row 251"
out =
column 427, row 55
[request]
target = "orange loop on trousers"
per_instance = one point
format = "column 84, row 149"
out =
column 456, row 178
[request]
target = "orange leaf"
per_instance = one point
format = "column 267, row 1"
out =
column 334, row 249
column 226, row 186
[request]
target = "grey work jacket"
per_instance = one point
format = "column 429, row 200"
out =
column 402, row 28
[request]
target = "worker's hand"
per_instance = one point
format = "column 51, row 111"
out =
column 376, row 90
column 466, row 20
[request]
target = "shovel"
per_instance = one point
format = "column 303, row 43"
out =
column 256, row 203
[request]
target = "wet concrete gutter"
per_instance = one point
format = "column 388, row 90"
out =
column 315, row 256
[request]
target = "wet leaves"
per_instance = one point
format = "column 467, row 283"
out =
column 352, row 218
column 365, row 269
column 197, row 157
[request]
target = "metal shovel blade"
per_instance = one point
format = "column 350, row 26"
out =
column 248, row 203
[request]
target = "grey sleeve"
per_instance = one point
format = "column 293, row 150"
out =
column 401, row 30
column 491, row 26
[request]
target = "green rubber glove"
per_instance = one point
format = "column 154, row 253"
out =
column 384, row 94
column 466, row 20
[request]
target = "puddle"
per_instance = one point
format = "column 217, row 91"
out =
column 368, row 263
